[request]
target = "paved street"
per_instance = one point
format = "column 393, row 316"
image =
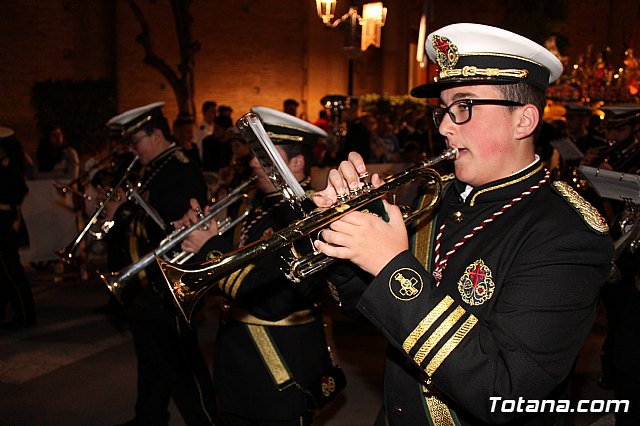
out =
column 77, row 367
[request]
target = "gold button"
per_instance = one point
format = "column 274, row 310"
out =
column 397, row 410
column 457, row 217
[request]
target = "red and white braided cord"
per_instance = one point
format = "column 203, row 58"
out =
column 442, row 264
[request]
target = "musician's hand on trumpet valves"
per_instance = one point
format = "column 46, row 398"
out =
column 198, row 237
column 357, row 236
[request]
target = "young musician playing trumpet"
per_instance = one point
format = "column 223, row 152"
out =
column 271, row 350
column 170, row 364
column 491, row 299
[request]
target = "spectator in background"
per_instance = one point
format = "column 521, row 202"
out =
column 224, row 118
column 321, row 145
column 407, row 129
column 216, row 150
column 323, row 121
column 241, row 156
column 358, row 136
column 206, row 127
column 55, row 159
column 183, row 134
column 290, row 106
column 385, row 132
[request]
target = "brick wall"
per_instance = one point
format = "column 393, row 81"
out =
column 252, row 51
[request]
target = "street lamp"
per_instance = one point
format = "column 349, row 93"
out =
column 372, row 20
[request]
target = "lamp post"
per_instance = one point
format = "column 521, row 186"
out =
column 372, row 20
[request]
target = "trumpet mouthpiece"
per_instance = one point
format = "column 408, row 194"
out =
column 452, row 153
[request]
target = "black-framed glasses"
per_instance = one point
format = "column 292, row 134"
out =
column 460, row 110
column 134, row 141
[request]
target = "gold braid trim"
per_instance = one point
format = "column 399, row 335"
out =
column 451, row 344
column 333, row 290
column 473, row 71
column 232, row 284
column 590, row 214
column 261, row 338
column 502, row 185
column 438, row 334
column 438, row 410
column 426, row 323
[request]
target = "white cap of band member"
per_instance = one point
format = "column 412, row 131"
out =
column 284, row 128
column 480, row 54
column 128, row 122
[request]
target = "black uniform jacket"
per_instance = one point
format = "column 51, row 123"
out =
column 243, row 373
column 516, row 301
column 13, row 189
column 168, row 182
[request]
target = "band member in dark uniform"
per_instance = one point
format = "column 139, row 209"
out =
column 621, row 125
column 271, row 351
column 626, row 383
column 15, row 289
column 621, row 295
column 170, row 364
column 499, row 290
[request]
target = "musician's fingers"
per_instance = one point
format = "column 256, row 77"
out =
column 357, row 161
column 331, row 250
column 192, row 215
column 354, row 218
column 195, row 205
column 338, row 183
column 350, row 175
column 188, row 246
column 376, row 180
column 324, row 198
column 331, row 237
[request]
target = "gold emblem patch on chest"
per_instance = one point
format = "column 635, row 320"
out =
column 476, row 285
column 405, row 284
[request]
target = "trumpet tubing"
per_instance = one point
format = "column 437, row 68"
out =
column 67, row 253
column 116, row 282
column 189, row 284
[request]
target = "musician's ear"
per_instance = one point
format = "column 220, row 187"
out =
column 527, row 118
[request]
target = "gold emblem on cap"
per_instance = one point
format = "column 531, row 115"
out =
column 405, row 284
column 446, row 52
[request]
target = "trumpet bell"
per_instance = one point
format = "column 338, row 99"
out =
column 184, row 296
column 114, row 285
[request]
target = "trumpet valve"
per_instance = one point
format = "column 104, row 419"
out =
column 342, row 197
column 366, row 179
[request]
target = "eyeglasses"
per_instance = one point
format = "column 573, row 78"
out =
column 134, row 141
column 460, row 110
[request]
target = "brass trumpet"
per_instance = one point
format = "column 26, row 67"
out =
column 67, row 253
column 189, row 284
column 117, row 281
